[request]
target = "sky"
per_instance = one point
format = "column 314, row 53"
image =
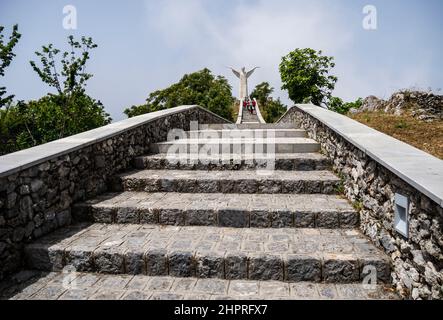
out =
column 146, row 45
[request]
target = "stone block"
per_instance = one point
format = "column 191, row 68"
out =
column 292, row 186
column 260, row 219
column 349, row 219
column 181, row 264
column 302, row 267
column 248, row 186
column 135, row 262
column 304, row 219
column 327, row 219
column 127, row 215
column 80, row 259
column 173, row 217
column 282, row 219
column 149, row 215
column 203, row 217
column 340, row 268
column 209, row 265
column 236, row 266
column 109, row 260
column 380, row 265
column 102, row 214
column 269, row 186
column 233, row 218
column 156, row 262
column 204, row 186
column 265, row 267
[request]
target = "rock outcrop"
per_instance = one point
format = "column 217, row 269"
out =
column 424, row 106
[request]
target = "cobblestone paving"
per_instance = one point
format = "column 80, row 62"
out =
column 216, row 209
column 319, row 175
column 210, row 252
column 83, row 286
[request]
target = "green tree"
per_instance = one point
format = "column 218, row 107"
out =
column 201, row 87
column 271, row 109
column 262, row 92
column 70, row 82
column 305, row 75
column 55, row 116
column 336, row 104
column 6, row 56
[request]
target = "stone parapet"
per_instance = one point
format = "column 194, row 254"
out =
column 374, row 167
column 39, row 185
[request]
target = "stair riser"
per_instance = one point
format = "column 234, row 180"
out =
column 248, row 126
column 188, row 263
column 240, row 148
column 266, row 186
column 248, row 134
column 234, row 218
column 188, row 164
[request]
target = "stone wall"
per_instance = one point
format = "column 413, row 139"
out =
column 37, row 200
column 418, row 260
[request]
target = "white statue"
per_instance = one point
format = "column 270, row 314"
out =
column 243, row 76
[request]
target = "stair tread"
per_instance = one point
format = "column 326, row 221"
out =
column 53, row 285
column 248, row 126
column 249, row 129
column 276, row 175
column 189, row 238
column 271, row 202
column 276, row 156
column 278, row 140
column 108, row 248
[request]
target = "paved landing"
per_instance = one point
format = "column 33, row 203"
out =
column 92, row 286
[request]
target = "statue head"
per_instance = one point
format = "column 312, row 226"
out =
column 243, row 69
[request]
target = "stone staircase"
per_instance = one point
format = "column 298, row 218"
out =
column 248, row 117
column 223, row 220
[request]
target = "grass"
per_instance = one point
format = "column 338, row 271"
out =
column 427, row 136
column 358, row 205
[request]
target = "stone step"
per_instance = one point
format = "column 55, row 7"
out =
column 280, row 161
column 247, row 133
column 215, row 209
column 219, row 126
column 96, row 286
column 236, row 146
column 292, row 255
column 229, row 181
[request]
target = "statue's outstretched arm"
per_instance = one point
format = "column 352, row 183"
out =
column 251, row 71
column 235, row 72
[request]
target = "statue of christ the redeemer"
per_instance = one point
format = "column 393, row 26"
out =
column 243, row 75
